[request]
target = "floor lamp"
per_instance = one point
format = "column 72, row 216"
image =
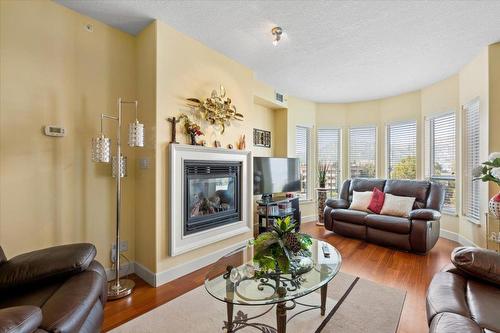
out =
column 101, row 152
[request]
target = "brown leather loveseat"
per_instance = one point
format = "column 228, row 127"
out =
column 418, row 233
column 465, row 296
column 59, row 289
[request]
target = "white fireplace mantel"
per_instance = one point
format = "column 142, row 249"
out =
column 180, row 243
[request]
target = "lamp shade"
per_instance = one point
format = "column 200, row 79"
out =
column 136, row 134
column 122, row 166
column 101, row 149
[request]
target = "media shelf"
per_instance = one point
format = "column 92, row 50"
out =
column 279, row 207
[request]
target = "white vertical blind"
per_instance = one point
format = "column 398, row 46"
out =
column 303, row 151
column 329, row 152
column 471, row 130
column 402, row 150
column 362, row 151
column 442, row 162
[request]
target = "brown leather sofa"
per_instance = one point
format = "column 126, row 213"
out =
column 59, row 289
column 418, row 233
column 465, row 296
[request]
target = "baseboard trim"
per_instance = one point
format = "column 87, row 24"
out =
column 144, row 273
column 309, row 218
column 457, row 238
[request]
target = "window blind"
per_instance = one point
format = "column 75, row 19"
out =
column 329, row 153
column 471, row 133
column 442, row 162
column 402, row 150
column 302, row 152
column 362, row 151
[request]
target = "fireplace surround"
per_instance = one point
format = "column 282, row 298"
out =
column 210, row 196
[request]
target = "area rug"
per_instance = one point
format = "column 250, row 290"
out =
column 353, row 305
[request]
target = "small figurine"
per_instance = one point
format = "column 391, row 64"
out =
column 174, row 122
column 217, row 144
column 230, row 146
column 241, row 144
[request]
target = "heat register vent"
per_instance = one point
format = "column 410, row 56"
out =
column 279, row 97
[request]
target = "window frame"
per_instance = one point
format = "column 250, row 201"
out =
column 375, row 161
column 430, row 158
column 340, row 156
column 309, row 160
column 388, row 146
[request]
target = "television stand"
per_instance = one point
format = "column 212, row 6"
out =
column 270, row 210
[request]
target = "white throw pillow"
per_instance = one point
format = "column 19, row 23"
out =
column 397, row 206
column 361, row 200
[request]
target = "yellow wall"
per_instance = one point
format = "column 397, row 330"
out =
column 55, row 72
column 494, row 104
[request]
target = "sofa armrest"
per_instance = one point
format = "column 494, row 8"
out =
column 32, row 267
column 337, row 203
column 425, row 214
column 20, row 319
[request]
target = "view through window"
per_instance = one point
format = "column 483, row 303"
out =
column 329, row 153
column 402, row 150
column 302, row 151
column 442, row 150
column 362, row 151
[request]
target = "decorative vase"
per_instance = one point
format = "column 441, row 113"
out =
column 322, row 196
column 494, row 205
column 193, row 139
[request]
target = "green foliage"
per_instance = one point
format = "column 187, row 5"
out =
column 323, row 169
column 486, row 171
column 405, row 169
column 271, row 251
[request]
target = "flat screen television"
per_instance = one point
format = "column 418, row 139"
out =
column 275, row 175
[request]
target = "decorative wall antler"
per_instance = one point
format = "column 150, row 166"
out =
column 217, row 109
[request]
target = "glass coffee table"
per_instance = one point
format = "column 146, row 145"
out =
column 234, row 279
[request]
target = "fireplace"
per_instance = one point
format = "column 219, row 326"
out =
column 212, row 195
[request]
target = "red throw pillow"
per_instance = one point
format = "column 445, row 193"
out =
column 377, row 201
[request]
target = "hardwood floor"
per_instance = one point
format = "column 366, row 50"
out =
column 389, row 267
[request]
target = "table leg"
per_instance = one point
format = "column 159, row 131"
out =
column 281, row 317
column 230, row 307
column 324, row 289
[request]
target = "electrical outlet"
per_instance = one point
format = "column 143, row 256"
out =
column 123, row 248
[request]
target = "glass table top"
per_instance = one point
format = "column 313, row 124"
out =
column 235, row 278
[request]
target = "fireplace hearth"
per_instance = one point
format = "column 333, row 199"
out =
column 213, row 195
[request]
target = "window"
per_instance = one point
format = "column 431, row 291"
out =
column 442, row 163
column 471, row 128
column 303, row 152
column 362, row 151
column 329, row 154
column 402, row 150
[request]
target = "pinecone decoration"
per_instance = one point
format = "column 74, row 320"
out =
column 292, row 242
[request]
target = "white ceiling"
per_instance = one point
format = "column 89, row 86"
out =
column 333, row 51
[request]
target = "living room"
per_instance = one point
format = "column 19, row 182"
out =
column 304, row 119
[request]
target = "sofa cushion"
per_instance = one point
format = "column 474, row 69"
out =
column 453, row 323
column 484, row 304
column 479, row 263
column 446, row 293
column 20, row 319
column 397, row 205
column 377, row 201
column 361, row 200
column 365, row 184
column 349, row 215
column 417, row 189
column 394, row 224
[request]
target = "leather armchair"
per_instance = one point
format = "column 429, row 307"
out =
column 465, row 296
column 58, row 289
column 418, row 233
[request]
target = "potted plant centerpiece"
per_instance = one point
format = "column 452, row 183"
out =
column 490, row 172
column 283, row 250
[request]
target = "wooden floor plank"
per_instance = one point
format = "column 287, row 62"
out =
column 379, row 264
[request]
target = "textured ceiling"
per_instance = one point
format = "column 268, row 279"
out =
column 333, row 51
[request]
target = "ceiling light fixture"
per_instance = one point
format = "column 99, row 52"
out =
column 277, row 32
